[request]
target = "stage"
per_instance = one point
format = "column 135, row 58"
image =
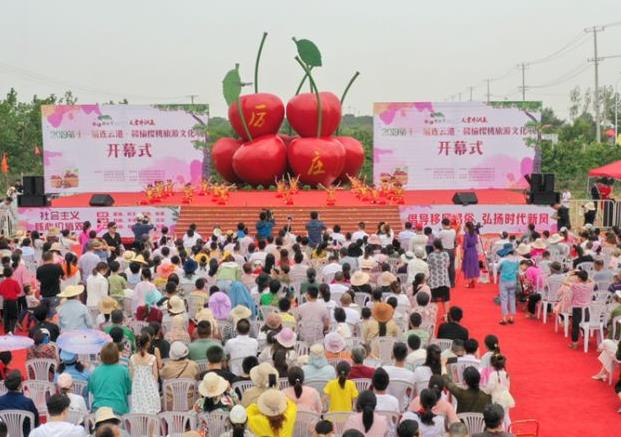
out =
column 497, row 210
column 305, row 199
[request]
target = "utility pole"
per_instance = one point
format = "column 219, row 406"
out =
column 523, row 66
column 192, row 96
column 595, row 60
column 487, row 94
column 471, row 88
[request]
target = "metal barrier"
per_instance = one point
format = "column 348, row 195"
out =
column 608, row 213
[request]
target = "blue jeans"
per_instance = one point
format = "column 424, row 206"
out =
column 507, row 297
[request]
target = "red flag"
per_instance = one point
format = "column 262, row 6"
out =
column 37, row 151
column 4, row 165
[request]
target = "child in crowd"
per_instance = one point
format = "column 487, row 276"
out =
column 341, row 391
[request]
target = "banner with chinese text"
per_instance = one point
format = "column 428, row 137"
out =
column 119, row 148
column 428, row 145
column 494, row 218
column 42, row 219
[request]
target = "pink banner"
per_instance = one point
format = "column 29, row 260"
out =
column 43, row 219
column 494, row 218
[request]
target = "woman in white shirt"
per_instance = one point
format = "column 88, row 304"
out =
column 97, row 285
column 142, row 288
column 431, row 425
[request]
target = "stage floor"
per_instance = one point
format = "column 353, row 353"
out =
column 302, row 199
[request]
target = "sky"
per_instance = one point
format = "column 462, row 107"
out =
column 161, row 51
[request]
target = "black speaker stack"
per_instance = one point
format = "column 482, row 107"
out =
column 465, row 198
column 101, row 200
column 33, row 192
column 542, row 189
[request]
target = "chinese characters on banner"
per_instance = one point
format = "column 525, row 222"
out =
column 494, row 218
column 42, row 219
column 426, row 145
column 118, row 148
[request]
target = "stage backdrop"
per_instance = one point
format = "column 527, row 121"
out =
column 43, row 219
column 427, row 145
column 118, row 148
column 494, row 218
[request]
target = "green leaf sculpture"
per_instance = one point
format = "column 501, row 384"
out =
column 232, row 85
column 308, row 52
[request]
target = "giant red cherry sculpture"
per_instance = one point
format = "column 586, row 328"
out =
column 302, row 113
column 222, row 153
column 263, row 113
column 261, row 161
column 316, row 160
column 354, row 157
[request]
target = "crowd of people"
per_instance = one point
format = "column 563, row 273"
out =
column 354, row 330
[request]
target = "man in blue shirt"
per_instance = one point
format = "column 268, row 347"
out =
column 15, row 399
column 315, row 228
column 265, row 225
column 141, row 228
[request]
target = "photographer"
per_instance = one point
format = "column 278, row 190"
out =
column 141, row 228
column 265, row 224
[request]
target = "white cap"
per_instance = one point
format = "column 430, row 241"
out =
column 238, row 415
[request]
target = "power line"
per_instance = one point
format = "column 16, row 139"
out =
column 576, row 71
column 577, row 42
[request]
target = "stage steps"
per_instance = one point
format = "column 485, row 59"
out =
column 206, row 217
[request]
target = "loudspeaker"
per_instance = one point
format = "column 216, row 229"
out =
column 547, row 198
column 465, row 198
column 548, row 182
column 101, row 200
column 26, row 200
column 33, row 185
column 536, row 182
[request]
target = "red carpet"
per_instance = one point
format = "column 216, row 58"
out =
column 549, row 382
column 302, row 199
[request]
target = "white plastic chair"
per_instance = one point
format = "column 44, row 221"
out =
column 40, row 369
column 202, row 365
column 15, row 419
column 305, row 422
column 421, row 385
column 384, row 348
column 137, row 325
column 175, row 423
column 216, row 422
column 240, row 387
column 361, row 298
column 362, row 384
column 79, row 387
column 473, row 421
column 414, row 364
column 195, row 304
column 141, row 425
column 283, row 383
column 301, row 348
column 596, row 323
column 456, row 370
column 443, row 343
column 402, row 390
column 586, row 266
column 39, row 392
column 393, row 420
column 75, row 417
column 549, row 297
column 317, row 384
column 179, row 389
column 338, row 419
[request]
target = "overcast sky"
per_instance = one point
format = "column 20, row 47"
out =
column 159, row 51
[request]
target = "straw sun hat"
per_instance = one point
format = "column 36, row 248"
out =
column 72, row 291
column 212, row 385
column 272, row 403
